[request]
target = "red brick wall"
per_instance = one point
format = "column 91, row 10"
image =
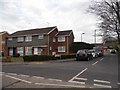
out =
column 67, row 44
column 52, row 44
column 71, row 40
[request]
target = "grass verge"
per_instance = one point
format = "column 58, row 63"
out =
column 17, row 59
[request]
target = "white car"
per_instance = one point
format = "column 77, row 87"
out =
column 94, row 54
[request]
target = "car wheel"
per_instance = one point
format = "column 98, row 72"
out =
column 88, row 58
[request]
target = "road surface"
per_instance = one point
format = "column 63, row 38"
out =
column 101, row 72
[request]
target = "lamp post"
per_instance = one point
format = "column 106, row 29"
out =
column 81, row 36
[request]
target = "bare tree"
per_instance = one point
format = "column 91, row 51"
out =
column 108, row 12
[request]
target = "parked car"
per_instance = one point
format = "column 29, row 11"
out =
column 113, row 51
column 83, row 55
column 94, row 53
column 99, row 51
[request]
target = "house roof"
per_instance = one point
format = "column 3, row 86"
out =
column 36, row 31
column 4, row 32
column 64, row 33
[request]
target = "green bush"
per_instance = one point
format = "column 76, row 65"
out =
column 46, row 57
column 38, row 58
column 67, row 56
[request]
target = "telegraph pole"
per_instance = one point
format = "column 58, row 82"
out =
column 81, row 36
column 48, row 24
column 95, row 37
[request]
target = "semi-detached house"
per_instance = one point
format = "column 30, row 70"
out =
column 3, row 44
column 41, row 41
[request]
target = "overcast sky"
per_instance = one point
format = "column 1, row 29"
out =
column 65, row 14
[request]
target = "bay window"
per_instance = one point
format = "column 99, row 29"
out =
column 20, row 50
column 28, row 50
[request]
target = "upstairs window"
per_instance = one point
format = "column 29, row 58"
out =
column 40, row 37
column 61, row 38
column 28, row 38
column 20, row 39
column 10, row 38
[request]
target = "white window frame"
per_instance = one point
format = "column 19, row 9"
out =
column 20, row 39
column 10, row 38
column 61, row 48
column 2, row 42
column 11, row 51
column 37, row 51
column 20, row 50
column 28, row 51
column 28, row 38
column 61, row 38
column 41, row 36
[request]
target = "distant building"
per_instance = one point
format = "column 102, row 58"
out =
column 41, row 41
column 3, row 44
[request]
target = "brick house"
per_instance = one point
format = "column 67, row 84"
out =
column 3, row 44
column 64, row 41
column 41, row 41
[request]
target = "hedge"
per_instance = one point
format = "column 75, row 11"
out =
column 68, row 56
column 46, row 57
column 38, row 58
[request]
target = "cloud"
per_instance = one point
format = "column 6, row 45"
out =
column 66, row 14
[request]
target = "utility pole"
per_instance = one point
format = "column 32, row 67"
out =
column 95, row 37
column 30, row 24
column 48, row 24
column 81, row 36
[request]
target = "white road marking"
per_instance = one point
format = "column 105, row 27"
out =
column 38, row 77
column 77, row 75
column 18, row 79
column 55, row 79
column 77, row 82
column 12, row 73
column 101, row 81
column 103, row 86
column 91, row 87
column 95, row 63
column 2, row 72
column 59, row 85
column 101, row 59
column 24, row 75
column 81, row 79
column 118, row 83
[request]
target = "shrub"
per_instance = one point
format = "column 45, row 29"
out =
column 45, row 57
column 37, row 58
column 67, row 56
